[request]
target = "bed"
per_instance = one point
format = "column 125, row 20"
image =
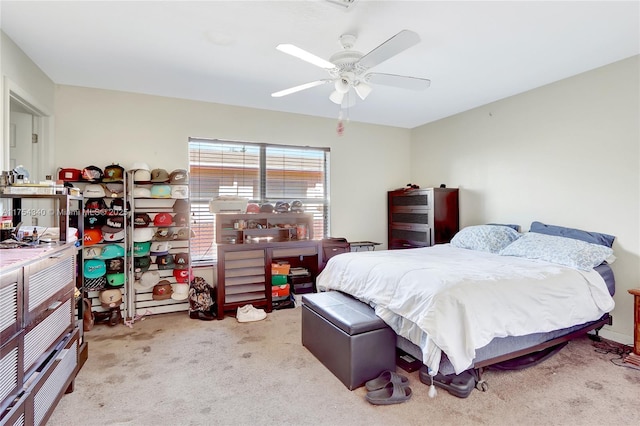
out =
column 491, row 295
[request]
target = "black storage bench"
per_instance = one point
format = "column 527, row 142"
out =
column 347, row 337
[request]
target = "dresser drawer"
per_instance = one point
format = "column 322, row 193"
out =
column 10, row 370
column 10, row 304
column 47, row 281
column 45, row 331
column 47, row 387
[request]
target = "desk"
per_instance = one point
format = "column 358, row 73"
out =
column 634, row 357
column 363, row 245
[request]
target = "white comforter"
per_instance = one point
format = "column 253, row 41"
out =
column 453, row 300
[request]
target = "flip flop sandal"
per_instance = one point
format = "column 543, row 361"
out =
column 385, row 377
column 392, row 393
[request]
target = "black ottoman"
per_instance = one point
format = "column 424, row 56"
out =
column 347, row 337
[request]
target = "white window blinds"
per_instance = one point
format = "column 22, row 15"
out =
column 262, row 173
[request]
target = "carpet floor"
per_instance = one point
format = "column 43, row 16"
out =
column 172, row 370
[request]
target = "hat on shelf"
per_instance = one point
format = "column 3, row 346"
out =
column 95, row 204
column 159, row 248
column 141, row 235
column 165, row 261
column 180, row 205
column 180, row 191
column 113, row 173
column 93, row 220
column 162, row 219
column 115, row 265
column 141, row 192
column 179, row 176
column 115, row 280
column 161, row 190
column 141, row 248
column 111, row 236
column 141, row 264
column 94, row 268
column 141, row 220
column 92, row 174
column 181, row 219
column 113, row 224
column 92, row 236
column 163, row 234
column 111, row 298
column 117, row 206
column 162, row 290
column 114, row 190
column 182, row 234
column 93, row 190
column 181, row 260
column 159, row 175
column 141, row 172
column 91, row 252
column 180, row 291
column 110, row 251
column 181, row 275
column 147, row 280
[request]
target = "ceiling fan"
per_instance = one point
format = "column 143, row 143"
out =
column 349, row 69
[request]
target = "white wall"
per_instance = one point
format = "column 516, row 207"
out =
column 566, row 154
column 101, row 127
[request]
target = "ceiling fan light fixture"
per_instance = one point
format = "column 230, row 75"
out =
column 363, row 90
column 336, row 97
column 342, row 85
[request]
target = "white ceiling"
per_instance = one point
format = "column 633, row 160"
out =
column 473, row 52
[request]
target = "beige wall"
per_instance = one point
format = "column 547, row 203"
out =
column 565, row 154
column 100, row 127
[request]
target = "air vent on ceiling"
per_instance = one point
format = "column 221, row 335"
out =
column 344, row 3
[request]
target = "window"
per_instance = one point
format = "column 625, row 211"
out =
column 262, row 173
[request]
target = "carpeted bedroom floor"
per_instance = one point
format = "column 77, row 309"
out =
column 172, row 370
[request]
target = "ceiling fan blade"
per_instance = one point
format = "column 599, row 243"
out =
column 396, row 44
column 305, row 56
column 299, row 88
column 404, row 82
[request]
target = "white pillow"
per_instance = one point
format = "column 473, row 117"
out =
column 490, row 238
column 563, row 251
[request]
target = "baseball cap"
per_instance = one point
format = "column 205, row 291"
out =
column 162, row 290
column 93, row 220
column 111, row 298
column 180, row 291
column 181, row 260
column 113, row 224
column 159, row 175
column 147, row 280
column 114, row 190
column 165, row 261
column 95, row 204
column 180, row 205
column 162, row 219
column 113, row 173
column 159, row 248
column 111, row 236
column 117, row 206
column 94, row 268
column 181, row 275
column 92, row 174
column 161, row 191
column 182, row 234
column 93, row 190
column 141, row 235
column 180, row 191
column 92, row 236
column 115, row 265
column 91, row 252
column 112, row 250
column 115, row 280
column 163, row 234
column 141, row 248
column 141, row 192
column 142, row 175
column 179, row 176
column 141, row 220
column 181, row 219
column 141, row 264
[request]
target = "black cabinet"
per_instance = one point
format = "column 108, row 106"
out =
column 422, row 217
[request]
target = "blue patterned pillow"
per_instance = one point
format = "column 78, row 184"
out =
column 491, row 238
column 561, row 250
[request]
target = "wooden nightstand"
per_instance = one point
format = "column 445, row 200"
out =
column 634, row 357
